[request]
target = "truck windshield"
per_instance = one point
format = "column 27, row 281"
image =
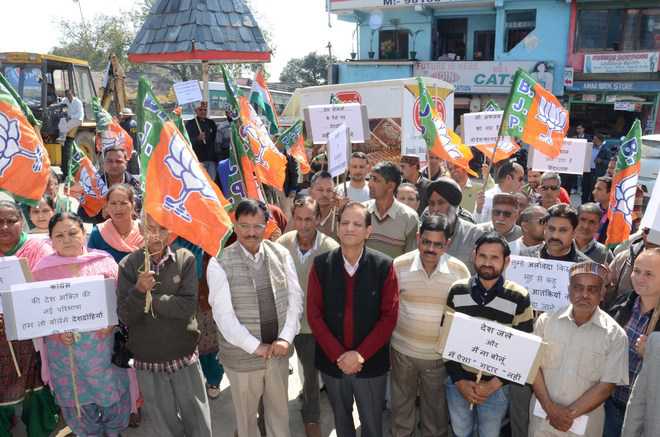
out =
column 26, row 80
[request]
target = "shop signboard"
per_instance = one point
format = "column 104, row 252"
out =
column 627, row 106
column 485, row 77
column 635, row 62
column 642, row 86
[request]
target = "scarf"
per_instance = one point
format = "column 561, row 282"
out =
column 131, row 243
column 55, row 260
column 21, row 241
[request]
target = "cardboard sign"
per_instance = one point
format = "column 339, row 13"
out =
column 651, row 217
column 546, row 280
column 44, row 308
column 13, row 271
column 490, row 347
column 323, row 119
column 187, row 92
column 574, row 158
column 338, row 150
column 481, row 127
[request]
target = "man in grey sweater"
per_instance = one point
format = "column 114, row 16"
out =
column 159, row 308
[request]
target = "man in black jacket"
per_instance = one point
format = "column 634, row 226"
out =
column 201, row 131
column 352, row 307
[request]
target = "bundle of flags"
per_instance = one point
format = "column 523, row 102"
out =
column 441, row 140
column 624, row 187
column 23, row 156
column 178, row 193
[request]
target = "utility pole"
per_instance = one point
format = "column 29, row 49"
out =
column 330, row 78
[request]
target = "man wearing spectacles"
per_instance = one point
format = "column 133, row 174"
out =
column 549, row 189
column 425, row 276
column 510, row 177
column 257, row 303
column 503, row 218
column 305, row 243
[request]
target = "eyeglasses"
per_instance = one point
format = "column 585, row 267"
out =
column 498, row 212
column 549, row 187
column 247, row 227
column 432, row 244
column 8, row 222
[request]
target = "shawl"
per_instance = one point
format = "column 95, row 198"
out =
column 131, row 243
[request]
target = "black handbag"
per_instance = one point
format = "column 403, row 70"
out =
column 121, row 355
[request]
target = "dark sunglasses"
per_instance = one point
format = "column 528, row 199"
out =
column 503, row 213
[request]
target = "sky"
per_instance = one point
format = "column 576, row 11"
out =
column 297, row 26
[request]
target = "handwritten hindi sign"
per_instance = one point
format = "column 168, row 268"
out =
column 574, row 158
column 546, row 280
column 43, row 308
column 320, row 120
column 481, row 127
column 187, row 92
column 13, row 270
column 338, row 150
column 490, row 347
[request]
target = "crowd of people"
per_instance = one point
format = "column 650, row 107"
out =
column 356, row 280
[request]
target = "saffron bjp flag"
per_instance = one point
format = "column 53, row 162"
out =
column 108, row 131
column 94, row 188
column 269, row 163
column 440, row 140
column 506, row 147
column 24, row 164
column 535, row 116
column 293, row 142
column 624, row 187
column 261, row 98
column 178, row 193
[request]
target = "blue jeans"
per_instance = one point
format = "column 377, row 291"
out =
column 614, row 415
column 486, row 419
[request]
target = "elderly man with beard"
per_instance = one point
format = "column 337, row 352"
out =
column 503, row 218
column 444, row 198
column 486, row 295
column 425, row 275
column 586, row 357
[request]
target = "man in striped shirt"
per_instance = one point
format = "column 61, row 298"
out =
column 424, row 275
column 489, row 296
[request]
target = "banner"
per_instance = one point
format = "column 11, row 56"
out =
column 633, row 62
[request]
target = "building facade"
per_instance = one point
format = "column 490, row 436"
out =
column 476, row 45
column 613, row 76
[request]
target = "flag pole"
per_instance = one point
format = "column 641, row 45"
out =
column 490, row 164
column 654, row 320
column 13, row 358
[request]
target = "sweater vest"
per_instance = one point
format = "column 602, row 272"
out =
column 245, row 301
column 369, row 280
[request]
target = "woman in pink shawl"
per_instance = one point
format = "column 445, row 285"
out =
column 101, row 389
column 28, row 391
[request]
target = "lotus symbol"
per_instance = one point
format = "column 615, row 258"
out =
column 10, row 146
column 185, row 168
column 624, row 195
column 553, row 116
column 88, row 187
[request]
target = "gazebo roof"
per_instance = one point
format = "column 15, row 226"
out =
column 188, row 31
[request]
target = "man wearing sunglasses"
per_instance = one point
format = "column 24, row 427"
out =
column 549, row 189
column 503, row 218
column 425, row 276
column 510, row 177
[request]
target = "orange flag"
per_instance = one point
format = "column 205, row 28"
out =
column 24, row 164
column 293, row 142
column 270, row 164
column 94, row 188
column 178, row 193
column 506, row 148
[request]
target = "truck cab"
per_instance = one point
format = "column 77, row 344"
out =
column 41, row 80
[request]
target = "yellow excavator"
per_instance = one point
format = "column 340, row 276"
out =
column 42, row 79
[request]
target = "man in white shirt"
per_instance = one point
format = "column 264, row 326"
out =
column 532, row 223
column 68, row 126
column 257, row 303
column 510, row 177
column 358, row 168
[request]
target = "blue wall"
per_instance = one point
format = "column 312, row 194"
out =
column 548, row 42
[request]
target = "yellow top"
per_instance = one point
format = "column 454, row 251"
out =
column 37, row 58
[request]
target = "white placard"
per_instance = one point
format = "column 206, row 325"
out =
column 492, row 348
column 579, row 426
column 571, row 158
column 13, row 270
column 323, row 119
column 43, row 308
column 338, row 150
column 412, row 140
column 481, row 127
column 651, row 217
column 546, row 280
column 187, row 92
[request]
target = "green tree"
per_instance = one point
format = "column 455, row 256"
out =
column 309, row 70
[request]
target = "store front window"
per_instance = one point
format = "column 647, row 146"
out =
column 393, row 44
column 618, row 29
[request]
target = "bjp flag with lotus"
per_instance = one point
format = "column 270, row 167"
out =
column 94, row 188
column 109, row 132
column 178, row 193
column 24, row 164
